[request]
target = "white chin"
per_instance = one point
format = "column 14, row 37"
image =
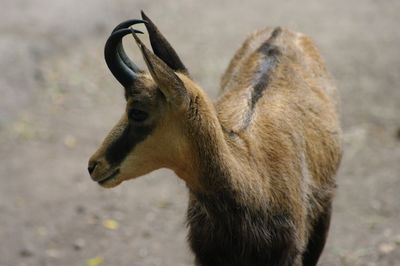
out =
column 111, row 183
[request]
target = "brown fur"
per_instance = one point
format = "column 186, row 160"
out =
column 259, row 163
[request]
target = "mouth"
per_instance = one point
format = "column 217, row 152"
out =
column 105, row 180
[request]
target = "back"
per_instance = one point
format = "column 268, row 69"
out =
column 272, row 59
column 278, row 105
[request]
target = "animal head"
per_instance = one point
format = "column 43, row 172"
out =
column 149, row 134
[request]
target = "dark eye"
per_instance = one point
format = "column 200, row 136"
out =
column 137, row 115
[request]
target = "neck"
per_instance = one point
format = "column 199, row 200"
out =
column 211, row 168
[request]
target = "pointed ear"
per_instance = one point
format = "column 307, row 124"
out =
column 162, row 48
column 169, row 83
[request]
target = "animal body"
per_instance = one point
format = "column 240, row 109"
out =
column 259, row 163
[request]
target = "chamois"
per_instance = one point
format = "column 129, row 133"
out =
column 259, row 164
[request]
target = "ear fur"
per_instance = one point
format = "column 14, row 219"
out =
column 169, row 83
column 162, row 48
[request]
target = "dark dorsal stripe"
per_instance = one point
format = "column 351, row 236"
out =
column 125, row 143
column 262, row 78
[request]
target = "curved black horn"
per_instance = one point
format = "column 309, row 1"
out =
column 120, row 47
column 126, row 24
column 113, row 54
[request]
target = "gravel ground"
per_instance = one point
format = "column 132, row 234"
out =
column 58, row 100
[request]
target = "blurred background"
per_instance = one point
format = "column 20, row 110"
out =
column 58, row 101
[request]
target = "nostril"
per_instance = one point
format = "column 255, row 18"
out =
column 91, row 166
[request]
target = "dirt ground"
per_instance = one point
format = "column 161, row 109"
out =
column 58, row 100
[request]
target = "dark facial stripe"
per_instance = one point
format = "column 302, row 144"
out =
column 262, row 78
column 126, row 142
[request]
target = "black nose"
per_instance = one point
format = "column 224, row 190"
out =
column 91, row 166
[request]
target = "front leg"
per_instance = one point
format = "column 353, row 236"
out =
column 317, row 239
